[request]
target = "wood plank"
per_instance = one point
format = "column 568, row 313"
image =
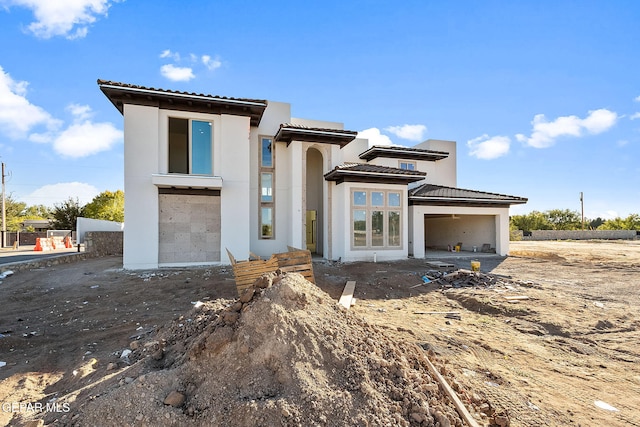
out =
column 462, row 410
column 347, row 294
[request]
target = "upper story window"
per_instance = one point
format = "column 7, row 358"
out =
column 190, row 146
column 410, row 166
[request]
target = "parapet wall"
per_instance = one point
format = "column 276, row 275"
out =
column 101, row 243
column 581, row 235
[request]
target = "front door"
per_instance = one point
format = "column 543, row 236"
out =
column 312, row 230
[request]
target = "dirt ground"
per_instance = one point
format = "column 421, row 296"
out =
column 556, row 343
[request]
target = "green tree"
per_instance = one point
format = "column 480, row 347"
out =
column 632, row 222
column 595, row 223
column 66, row 213
column 16, row 212
column 532, row 221
column 107, row 205
column 564, row 219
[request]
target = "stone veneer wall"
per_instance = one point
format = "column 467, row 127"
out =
column 582, row 235
column 100, row 243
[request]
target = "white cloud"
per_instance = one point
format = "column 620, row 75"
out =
column 177, row 74
column 211, row 64
column 622, row 142
column 52, row 194
column 545, row 133
column 635, row 116
column 19, row 119
column 80, row 112
column 375, row 137
column 84, row 138
column 18, row 116
column 68, row 18
column 637, row 98
column 168, row 54
column 487, row 148
column 409, row 132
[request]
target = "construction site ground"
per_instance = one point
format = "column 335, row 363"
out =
column 554, row 343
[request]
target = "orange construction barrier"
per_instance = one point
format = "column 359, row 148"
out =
column 38, row 245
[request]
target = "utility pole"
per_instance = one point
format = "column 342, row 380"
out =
column 582, row 208
column 4, row 213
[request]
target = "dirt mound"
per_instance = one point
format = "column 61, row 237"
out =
column 285, row 354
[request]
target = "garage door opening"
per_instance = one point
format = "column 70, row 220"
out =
column 445, row 231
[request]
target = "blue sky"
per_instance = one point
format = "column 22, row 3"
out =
column 543, row 97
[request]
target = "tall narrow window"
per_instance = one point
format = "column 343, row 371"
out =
column 267, row 187
column 267, row 223
column 359, row 228
column 190, row 146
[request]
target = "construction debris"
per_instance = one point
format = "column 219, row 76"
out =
column 347, row 294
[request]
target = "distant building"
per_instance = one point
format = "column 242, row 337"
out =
column 38, row 225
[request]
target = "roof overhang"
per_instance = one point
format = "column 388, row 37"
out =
column 468, row 202
column 404, row 153
column 345, row 175
column 120, row 94
column 288, row 133
column 438, row 195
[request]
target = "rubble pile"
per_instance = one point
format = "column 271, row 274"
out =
column 283, row 354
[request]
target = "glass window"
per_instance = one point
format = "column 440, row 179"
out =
column 266, row 153
column 360, row 198
column 267, row 222
column 377, row 198
column 266, row 179
column 266, row 197
column 377, row 228
column 190, row 152
column 178, row 145
column 201, row 147
column 376, row 222
column 394, row 228
column 394, row 199
column 359, row 228
column 411, row 166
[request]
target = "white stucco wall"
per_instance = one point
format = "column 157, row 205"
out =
column 234, row 167
column 442, row 172
column 84, row 225
column 140, row 249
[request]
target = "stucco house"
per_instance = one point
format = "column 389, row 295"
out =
column 206, row 173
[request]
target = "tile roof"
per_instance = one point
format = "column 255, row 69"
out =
column 400, row 152
column 437, row 194
column 123, row 93
column 289, row 132
column 361, row 172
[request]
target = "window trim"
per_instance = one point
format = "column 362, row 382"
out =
column 272, row 203
column 190, row 162
column 407, row 162
column 369, row 208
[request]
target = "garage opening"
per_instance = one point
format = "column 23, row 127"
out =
column 444, row 231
